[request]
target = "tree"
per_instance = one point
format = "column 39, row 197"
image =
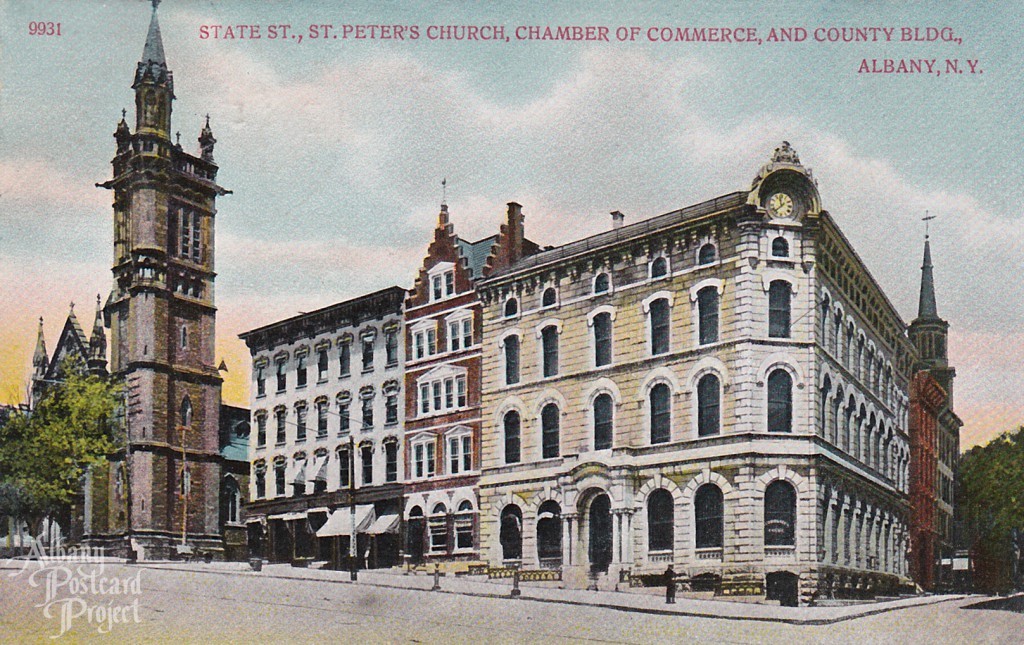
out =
column 45, row 452
column 991, row 500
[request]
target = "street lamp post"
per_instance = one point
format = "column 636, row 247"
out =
column 352, row 499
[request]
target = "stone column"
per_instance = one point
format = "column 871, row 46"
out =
column 827, row 554
column 616, row 537
column 567, row 539
column 627, row 537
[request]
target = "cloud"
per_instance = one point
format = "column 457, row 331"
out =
column 28, row 186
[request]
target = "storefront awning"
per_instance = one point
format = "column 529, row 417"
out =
column 384, row 524
column 288, row 516
column 340, row 521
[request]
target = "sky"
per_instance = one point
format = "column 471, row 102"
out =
column 335, row 148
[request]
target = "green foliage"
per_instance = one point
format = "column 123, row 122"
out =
column 45, row 453
column 991, row 499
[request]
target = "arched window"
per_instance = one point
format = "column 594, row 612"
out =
column 778, row 308
column 511, row 533
column 464, row 526
column 601, row 283
column 511, row 427
column 603, row 422
column 780, row 514
column 511, row 360
column 659, row 267
column 661, row 414
column 602, row 339
column 549, row 534
column 659, row 326
column 826, row 388
column 708, row 405
column 707, row 511
column 549, row 431
column 780, row 401
column 549, row 347
column 660, row 520
column 706, row 255
column 232, row 499
column 437, row 524
column 511, row 307
column 186, row 412
column 707, row 314
column 549, row 297
column 780, row 247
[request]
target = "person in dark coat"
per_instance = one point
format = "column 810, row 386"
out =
column 670, row 585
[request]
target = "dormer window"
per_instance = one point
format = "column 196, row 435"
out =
column 442, row 281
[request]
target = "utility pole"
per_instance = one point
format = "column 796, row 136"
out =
column 352, row 498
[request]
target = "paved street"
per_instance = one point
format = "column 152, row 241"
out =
column 231, row 606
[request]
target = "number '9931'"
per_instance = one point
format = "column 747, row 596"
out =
column 44, row 29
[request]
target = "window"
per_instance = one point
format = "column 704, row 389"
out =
column 391, row 408
column 464, row 526
column 660, row 520
column 442, row 393
column 343, row 416
column 661, row 415
column 261, row 430
column 707, row 314
column 280, row 416
column 367, row 353
column 780, row 248
column 261, row 381
column 423, row 459
column 367, row 403
column 390, row 461
column 261, row 481
column 321, row 419
column 321, row 365
column 344, row 467
column 549, row 345
column 366, row 455
column 549, row 431
column 184, row 337
column 659, row 268
column 549, row 534
column 510, row 535
column 438, row 525
column 602, row 283
column 707, row 510
column 345, row 358
column 511, row 425
column 602, row 339
column 185, row 413
column 282, row 377
column 442, row 282
column 779, row 514
column 424, row 343
column 778, row 309
column 460, row 454
column 706, row 255
column 659, row 314
column 460, row 334
column 511, row 307
column 549, row 297
column 300, row 422
column 708, row 405
column 391, row 347
column 603, row 422
column 511, row 360
column 189, row 228
column 300, row 371
column 279, row 478
column 780, row 401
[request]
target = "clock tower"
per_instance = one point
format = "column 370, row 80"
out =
column 161, row 496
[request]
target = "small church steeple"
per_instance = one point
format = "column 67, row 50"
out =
column 928, row 332
column 39, row 359
column 98, row 343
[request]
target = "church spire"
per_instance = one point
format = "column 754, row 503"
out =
column 98, row 343
column 154, row 85
column 926, row 303
column 154, row 49
column 40, row 359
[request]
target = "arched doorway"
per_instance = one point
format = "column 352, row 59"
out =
column 600, row 517
column 784, row 587
column 415, row 527
column 549, row 535
column 511, row 533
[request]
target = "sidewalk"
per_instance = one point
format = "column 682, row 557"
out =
column 548, row 592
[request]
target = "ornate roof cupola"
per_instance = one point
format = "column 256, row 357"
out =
column 928, row 332
column 206, row 141
column 785, row 190
column 98, row 343
column 154, row 85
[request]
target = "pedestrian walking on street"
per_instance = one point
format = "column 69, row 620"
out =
column 670, row 585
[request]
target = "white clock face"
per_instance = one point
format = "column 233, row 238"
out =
column 780, row 205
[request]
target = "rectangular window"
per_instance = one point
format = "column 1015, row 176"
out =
column 438, row 533
column 391, row 461
column 279, row 479
column 460, row 391
column 418, row 460
column 436, row 386
column 467, row 333
column 261, row 430
column 779, row 295
column 449, row 393
column 261, row 484
column 321, row 419
column 511, row 360
column 424, row 398
column 602, row 339
column 435, row 284
column 367, row 354
column 449, row 283
column 659, row 326
column 707, row 312
column 300, row 423
column 367, row 458
column 464, row 531
column 454, row 455
column 300, row 372
column 431, row 342
column 430, row 459
column 367, row 414
column 261, row 381
column 391, row 409
column 420, row 344
column 454, row 338
column 280, row 414
column 321, row 365
column 344, row 468
column 343, row 415
column 197, row 255
column 391, row 347
column 549, row 342
column 282, row 377
column 345, row 359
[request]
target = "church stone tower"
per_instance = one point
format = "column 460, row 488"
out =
column 161, row 315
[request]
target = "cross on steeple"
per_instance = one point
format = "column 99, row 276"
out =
column 444, row 191
column 156, row 3
column 927, row 218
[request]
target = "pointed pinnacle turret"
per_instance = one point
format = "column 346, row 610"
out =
column 98, row 342
column 926, row 303
column 206, row 141
column 153, row 52
column 39, row 358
